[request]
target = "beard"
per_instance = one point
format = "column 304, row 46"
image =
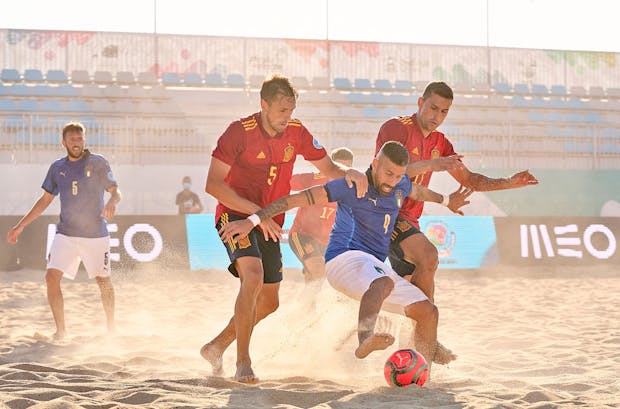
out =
column 73, row 155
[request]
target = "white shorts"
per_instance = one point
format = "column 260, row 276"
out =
column 352, row 272
column 66, row 253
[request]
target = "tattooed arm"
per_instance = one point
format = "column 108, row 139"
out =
column 240, row 228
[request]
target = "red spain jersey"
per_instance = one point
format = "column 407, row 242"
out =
column 261, row 166
column 405, row 129
column 315, row 221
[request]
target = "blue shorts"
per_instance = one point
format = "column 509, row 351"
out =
column 254, row 245
column 403, row 228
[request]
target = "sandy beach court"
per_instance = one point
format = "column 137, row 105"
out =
column 523, row 342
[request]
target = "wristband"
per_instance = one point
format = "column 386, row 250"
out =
column 254, row 219
column 445, row 200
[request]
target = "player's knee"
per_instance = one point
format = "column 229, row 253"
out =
column 429, row 261
column 423, row 312
column 52, row 278
column 385, row 285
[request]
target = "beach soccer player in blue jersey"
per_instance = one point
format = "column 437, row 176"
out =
column 80, row 179
column 359, row 244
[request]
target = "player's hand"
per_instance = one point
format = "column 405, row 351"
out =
column 235, row 230
column 360, row 179
column 458, row 199
column 13, row 234
column 108, row 211
column 452, row 162
column 522, row 179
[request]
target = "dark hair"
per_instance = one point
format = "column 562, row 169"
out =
column 342, row 154
column 72, row 127
column 439, row 88
column 277, row 85
column 395, row 152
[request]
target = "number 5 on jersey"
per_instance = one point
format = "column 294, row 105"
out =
column 74, row 188
column 272, row 175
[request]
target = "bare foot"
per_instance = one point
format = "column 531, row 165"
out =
column 374, row 342
column 59, row 335
column 443, row 355
column 214, row 357
column 245, row 374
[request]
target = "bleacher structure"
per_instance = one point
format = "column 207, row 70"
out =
column 175, row 115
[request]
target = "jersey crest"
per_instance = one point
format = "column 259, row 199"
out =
column 289, row 152
column 434, row 153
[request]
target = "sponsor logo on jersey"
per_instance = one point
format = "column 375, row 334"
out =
column 415, row 151
column 373, row 200
column 261, row 155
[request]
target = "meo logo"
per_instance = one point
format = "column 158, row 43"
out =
column 567, row 241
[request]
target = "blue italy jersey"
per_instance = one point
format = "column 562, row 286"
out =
column 364, row 224
column 80, row 185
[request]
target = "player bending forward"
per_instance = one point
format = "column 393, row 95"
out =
column 360, row 242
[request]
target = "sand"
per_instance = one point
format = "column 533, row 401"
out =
column 523, row 340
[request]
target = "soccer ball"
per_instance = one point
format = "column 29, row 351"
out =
column 405, row 367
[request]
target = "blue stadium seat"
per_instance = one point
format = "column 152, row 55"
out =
column 214, row 79
column 42, row 90
column 521, row 88
column 28, row 105
column 192, row 79
column 342, row 83
column 403, row 85
column 539, row 89
column 362, row 83
column 371, row 112
column 396, row 99
column 170, row 78
column 382, row 84
column 56, row 76
column 358, row 98
column 235, row 80
column 558, row 90
column 578, row 91
column 9, row 75
column 51, row 105
column 33, row 75
column 125, row 78
column 501, row 88
column 7, row 105
column 19, row 90
column 65, row 90
column 77, row 106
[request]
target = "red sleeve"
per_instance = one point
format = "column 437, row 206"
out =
column 300, row 181
column 391, row 130
column 311, row 149
column 231, row 144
